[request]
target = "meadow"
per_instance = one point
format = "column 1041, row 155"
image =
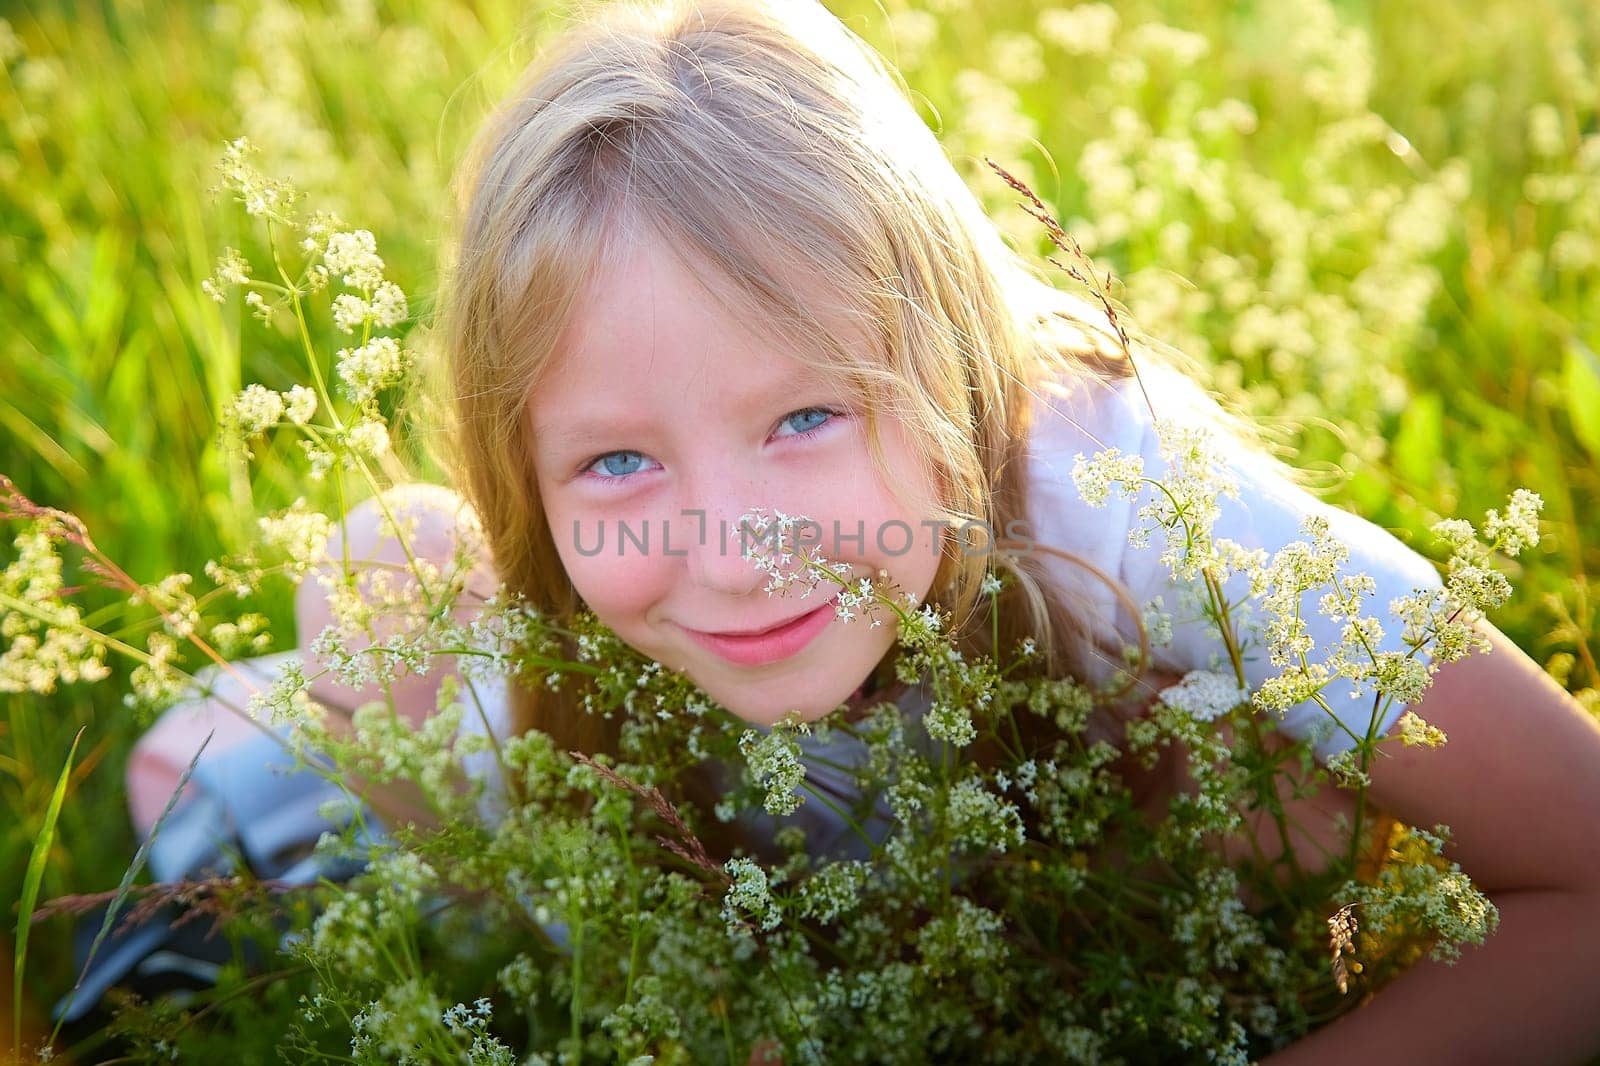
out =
column 1376, row 227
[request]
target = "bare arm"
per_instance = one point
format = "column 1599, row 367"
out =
column 1518, row 782
column 375, row 554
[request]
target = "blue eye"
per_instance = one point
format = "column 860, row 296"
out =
column 619, row 467
column 821, row 413
column 630, row 460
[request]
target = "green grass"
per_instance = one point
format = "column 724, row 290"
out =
column 114, row 366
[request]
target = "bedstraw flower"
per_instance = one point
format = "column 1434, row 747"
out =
column 1205, row 695
column 749, row 897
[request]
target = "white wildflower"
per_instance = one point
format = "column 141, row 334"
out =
column 950, row 723
column 774, row 759
column 749, row 895
column 259, row 308
column 1414, row 731
column 299, row 533
column 300, row 404
column 1345, row 770
column 231, row 269
column 387, row 306
column 354, row 254
column 1205, row 695
column 349, row 312
column 1519, row 528
column 255, row 410
column 1096, row 477
column 1157, row 622
column 370, row 437
column 1403, row 677
column 833, row 890
column 260, row 195
column 368, row 370
column 983, row 819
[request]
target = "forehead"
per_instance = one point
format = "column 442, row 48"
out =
column 655, row 325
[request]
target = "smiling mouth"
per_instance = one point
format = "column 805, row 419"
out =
column 768, row 646
column 746, row 633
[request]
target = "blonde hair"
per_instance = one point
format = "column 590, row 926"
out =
column 757, row 136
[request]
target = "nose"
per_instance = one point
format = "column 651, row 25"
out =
column 714, row 548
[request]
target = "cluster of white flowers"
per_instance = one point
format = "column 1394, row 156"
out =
column 1205, row 695
column 1445, row 616
column 261, row 196
column 285, row 700
column 1414, row 731
column 247, row 635
column 774, row 760
column 385, row 308
column 370, row 436
column 1098, row 475
column 1432, row 895
column 1185, row 500
column 969, row 938
column 749, row 897
column 366, row 371
column 778, row 549
column 354, row 255
column 45, row 639
column 833, row 890
column 463, row 1020
column 398, row 1026
column 1157, row 621
column 502, row 626
column 1404, row 677
column 1345, row 767
column 950, row 723
column 232, row 269
column 387, row 747
column 864, row 596
column 982, row 819
column 1294, row 569
column 156, row 682
column 1213, row 925
column 180, row 611
column 300, row 404
column 256, row 410
column 1295, row 685
column 297, row 532
column 1187, row 507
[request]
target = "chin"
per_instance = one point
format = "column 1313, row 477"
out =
column 759, row 710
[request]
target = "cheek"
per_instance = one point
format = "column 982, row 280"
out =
column 618, row 589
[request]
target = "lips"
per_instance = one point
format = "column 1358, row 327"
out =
column 770, row 645
column 734, row 633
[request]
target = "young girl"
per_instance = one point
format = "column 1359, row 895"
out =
column 711, row 259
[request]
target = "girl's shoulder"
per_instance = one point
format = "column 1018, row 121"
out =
column 1076, row 416
column 1265, row 511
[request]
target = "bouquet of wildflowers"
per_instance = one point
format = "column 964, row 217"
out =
column 1024, row 908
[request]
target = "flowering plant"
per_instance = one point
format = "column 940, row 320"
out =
column 1016, row 908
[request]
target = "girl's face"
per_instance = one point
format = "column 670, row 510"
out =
column 662, row 421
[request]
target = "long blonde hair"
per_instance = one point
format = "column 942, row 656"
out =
column 759, row 137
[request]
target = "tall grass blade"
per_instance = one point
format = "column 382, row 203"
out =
column 127, row 883
column 30, row 890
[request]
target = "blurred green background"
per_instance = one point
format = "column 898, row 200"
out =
column 1378, row 225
